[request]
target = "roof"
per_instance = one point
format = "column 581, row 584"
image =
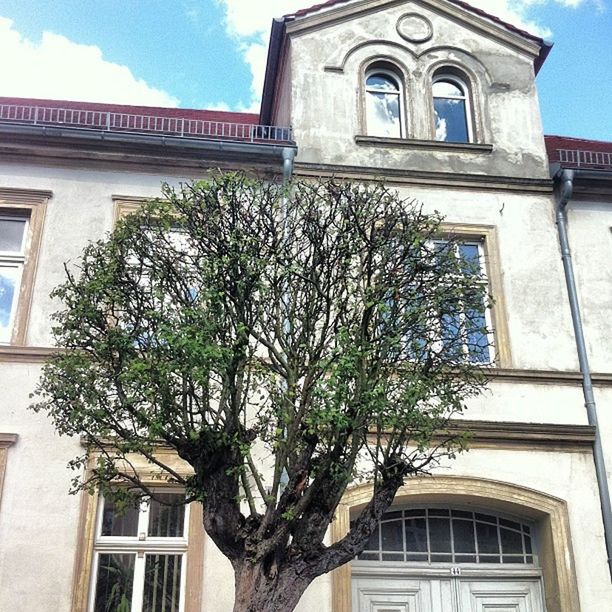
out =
column 572, row 152
column 330, row 3
column 150, row 111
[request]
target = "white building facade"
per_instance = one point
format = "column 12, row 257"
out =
column 440, row 100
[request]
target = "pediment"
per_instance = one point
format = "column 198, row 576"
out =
column 411, row 24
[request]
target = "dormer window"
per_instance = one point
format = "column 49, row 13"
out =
column 384, row 104
column 451, row 109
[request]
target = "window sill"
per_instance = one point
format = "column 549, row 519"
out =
column 434, row 145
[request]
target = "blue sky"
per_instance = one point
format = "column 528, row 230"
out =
column 211, row 53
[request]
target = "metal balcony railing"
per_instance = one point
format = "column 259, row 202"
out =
column 183, row 127
column 594, row 160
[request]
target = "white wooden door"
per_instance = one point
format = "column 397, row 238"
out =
column 500, row 596
column 397, row 594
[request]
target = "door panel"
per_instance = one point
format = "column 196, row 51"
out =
column 501, row 596
column 392, row 595
column 397, row 594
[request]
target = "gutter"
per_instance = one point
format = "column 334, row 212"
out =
column 564, row 182
column 545, row 49
column 229, row 147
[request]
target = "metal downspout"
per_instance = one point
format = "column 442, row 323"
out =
column 288, row 157
column 565, row 180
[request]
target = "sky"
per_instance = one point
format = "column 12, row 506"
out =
column 211, row 53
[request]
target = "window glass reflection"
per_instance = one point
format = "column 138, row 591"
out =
column 450, row 112
column 9, row 280
column 383, row 106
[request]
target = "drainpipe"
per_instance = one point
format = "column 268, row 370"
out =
column 565, row 182
column 288, row 157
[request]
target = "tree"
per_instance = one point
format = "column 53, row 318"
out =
column 285, row 342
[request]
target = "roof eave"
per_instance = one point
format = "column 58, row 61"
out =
column 545, row 49
column 277, row 38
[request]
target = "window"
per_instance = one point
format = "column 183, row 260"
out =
column 451, row 109
column 140, row 557
column 384, row 104
column 21, row 218
column 467, row 317
column 13, row 233
column 434, row 535
column 6, row 440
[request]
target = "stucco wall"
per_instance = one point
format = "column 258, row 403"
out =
column 35, row 505
column 327, row 99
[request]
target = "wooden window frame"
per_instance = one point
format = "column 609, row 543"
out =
column 487, row 236
column 6, row 441
column 29, row 204
column 83, row 579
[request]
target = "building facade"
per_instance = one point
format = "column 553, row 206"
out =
column 440, row 100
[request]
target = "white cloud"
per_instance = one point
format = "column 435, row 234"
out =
column 249, row 24
column 58, row 68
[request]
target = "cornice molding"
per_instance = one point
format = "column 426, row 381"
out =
column 458, row 14
column 25, row 354
column 547, row 376
column 8, row 439
column 24, row 196
column 40, row 354
column 425, row 178
column 435, row 145
column 548, row 436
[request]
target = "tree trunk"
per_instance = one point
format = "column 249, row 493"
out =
column 258, row 590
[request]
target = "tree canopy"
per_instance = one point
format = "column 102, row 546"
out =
column 284, row 341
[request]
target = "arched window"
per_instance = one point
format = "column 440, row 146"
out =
column 384, row 104
column 441, row 535
column 451, row 109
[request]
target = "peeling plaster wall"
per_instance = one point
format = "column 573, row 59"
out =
column 590, row 234
column 327, row 108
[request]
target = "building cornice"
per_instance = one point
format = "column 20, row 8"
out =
column 8, row 439
column 546, row 376
column 25, row 354
column 39, row 354
column 27, row 143
column 485, row 434
column 425, row 178
column 459, row 14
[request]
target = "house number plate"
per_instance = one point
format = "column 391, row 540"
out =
column 455, row 571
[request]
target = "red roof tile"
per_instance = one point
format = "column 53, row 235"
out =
column 465, row 5
column 153, row 111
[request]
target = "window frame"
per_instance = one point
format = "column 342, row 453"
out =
column 449, row 75
column 141, row 548
column 400, row 93
column 479, row 242
column 29, row 205
column 90, row 515
column 486, row 235
column 527, row 531
column 386, row 66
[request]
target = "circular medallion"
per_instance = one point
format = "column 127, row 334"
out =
column 414, row 28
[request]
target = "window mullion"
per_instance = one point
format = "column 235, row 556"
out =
column 138, row 588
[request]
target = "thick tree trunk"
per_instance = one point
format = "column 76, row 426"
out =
column 258, row 590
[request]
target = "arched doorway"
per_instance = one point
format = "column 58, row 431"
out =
column 440, row 559
column 546, row 578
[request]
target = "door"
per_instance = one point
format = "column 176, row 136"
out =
column 500, row 596
column 398, row 594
